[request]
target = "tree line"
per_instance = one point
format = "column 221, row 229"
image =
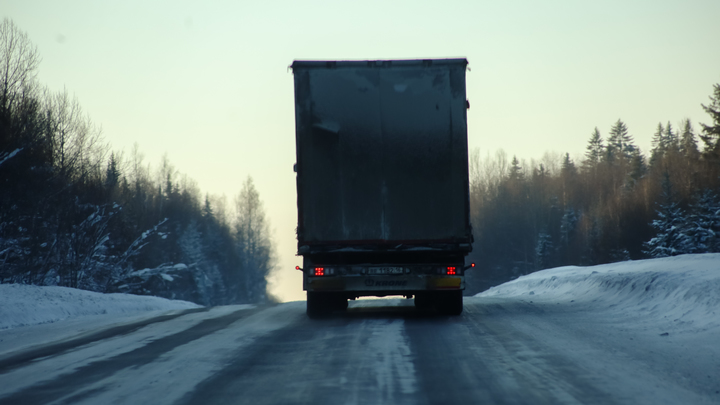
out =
column 75, row 214
column 617, row 203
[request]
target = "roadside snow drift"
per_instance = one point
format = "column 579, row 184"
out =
column 684, row 290
column 22, row 305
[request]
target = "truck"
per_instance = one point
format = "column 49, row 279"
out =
column 382, row 181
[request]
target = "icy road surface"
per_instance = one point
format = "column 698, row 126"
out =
column 641, row 332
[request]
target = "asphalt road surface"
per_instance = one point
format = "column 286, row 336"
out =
column 499, row 351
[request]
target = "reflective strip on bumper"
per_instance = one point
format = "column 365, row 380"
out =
column 383, row 283
column 445, row 282
column 329, row 284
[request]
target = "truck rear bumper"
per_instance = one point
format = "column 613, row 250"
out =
column 387, row 285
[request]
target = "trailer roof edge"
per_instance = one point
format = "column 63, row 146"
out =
column 383, row 63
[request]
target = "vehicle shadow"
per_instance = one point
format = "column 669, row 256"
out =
column 386, row 309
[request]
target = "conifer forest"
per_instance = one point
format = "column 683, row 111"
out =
column 75, row 213
column 616, row 203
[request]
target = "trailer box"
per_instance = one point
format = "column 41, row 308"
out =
column 382, row 180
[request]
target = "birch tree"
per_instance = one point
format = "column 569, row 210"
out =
column 253, row 241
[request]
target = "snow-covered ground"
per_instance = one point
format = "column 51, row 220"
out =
column 681, row 292
column 650, row 328
column 30, row 315
column 673, row 294
column 22, row 305
column 642, row 332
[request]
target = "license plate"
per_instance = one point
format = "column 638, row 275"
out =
column 385, row 270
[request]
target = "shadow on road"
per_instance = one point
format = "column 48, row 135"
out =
column 402, row 309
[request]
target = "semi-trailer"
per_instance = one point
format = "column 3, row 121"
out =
column 382, row 181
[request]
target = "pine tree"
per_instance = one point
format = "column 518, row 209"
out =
column 688, row 144
column 672, row 143
column 704, row 223
column 711, row 133
column 205, row 273
column 620, row 142
column 207, row 211
column 659, row 145
column 671, row 238
column 594, row 151
column 516, row 172
column 592, row 252
column 544, row 251
column 112, row 174
column 568, row 224
column 568, row 167
column 638, row 168
column 568, row 176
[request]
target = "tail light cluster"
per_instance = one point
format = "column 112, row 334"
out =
column 444, row 270
column 450, row 270
column 453, row 270
column 323, row 271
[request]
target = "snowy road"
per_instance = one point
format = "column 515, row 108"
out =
column 504, row 350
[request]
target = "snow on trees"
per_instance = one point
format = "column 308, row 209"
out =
column 671, row 238
column 703, row 224
column 70, row 216
column 544, row 251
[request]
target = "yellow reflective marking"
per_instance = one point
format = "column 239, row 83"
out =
column 445, row 282
column 327, row 284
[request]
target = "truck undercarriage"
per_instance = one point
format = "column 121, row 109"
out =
column 435, row 280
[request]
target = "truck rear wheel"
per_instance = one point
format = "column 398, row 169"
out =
column 423, row 301
column 449, row 302
column 317, row 305
column 320, row 304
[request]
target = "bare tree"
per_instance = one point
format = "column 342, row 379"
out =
column 19, row 60
column 139, row 171
column 166, row 175
column 253, row 241
column 219, row 206
column 77, row 144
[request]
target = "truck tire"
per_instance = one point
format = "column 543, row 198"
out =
column 423, row 301
column 449, row 302
column 341, row 303
column 318, row 305
column 323, row 304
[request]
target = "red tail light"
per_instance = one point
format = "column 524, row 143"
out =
column 319, row 271
column 451, row 270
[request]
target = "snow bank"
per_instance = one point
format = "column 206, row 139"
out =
column 22, row 305
column 682, row 289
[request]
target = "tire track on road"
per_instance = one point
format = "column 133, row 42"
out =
column 67, row 384
column 14, row 360
column 478, row 358
column 360, row 357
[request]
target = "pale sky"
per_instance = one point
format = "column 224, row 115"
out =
column 207, row 83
